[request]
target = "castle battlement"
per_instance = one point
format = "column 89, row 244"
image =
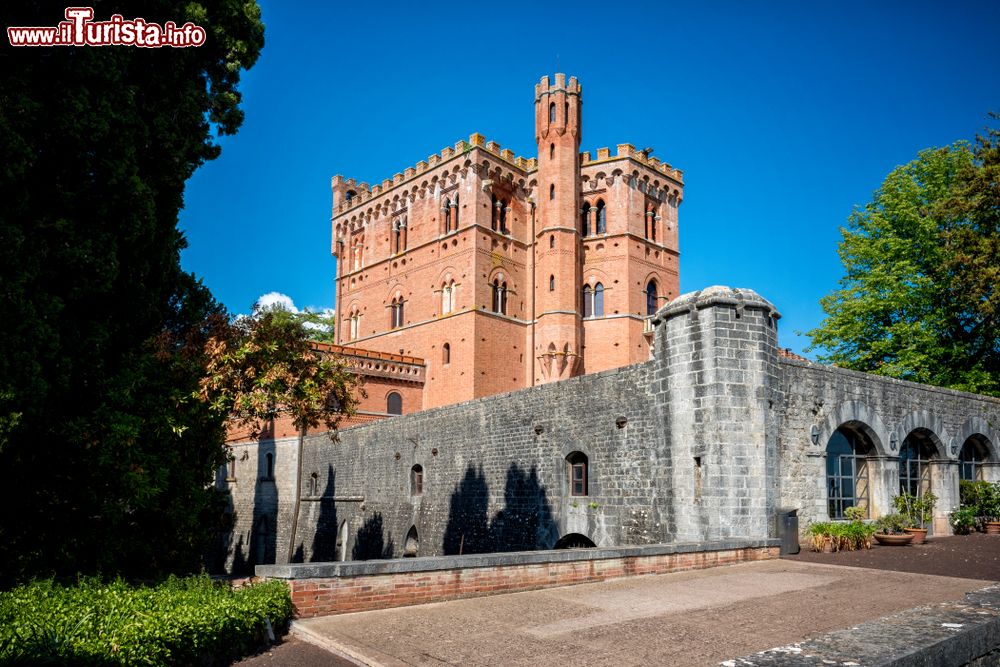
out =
column 364, row 193
column 543, row 87
column 628, row 151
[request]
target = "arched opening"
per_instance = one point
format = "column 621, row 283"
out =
column 552, row 112
column 454, row 217
column 552, row 151
column 349, row 195
column 394, row 404
column 602, row 223
column 448, row 298
column 847, row 471
column 417, row 480
column 975, row 451
column 411, row 546
column 577, row 473
column 588, row 301
column 552, row 191
column 598, row 300
column 585, row 219
column 446, row 354
column 499, row 296
column 552, row 240
column 651, row 298
column 446, row 214
column 915, row 455
column 574, row 541
column 552, row 283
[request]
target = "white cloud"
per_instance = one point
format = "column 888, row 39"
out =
column 276, row 299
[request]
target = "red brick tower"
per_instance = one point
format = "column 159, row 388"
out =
column 557, row 241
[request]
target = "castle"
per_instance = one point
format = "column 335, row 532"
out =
column 500, row 306
column 501, row 272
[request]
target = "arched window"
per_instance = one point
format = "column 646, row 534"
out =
column 593, row 300
column 411, row 545
column 397, row 237
column 847, row 471
column 314, row 484
column 350, row 194
column 446, row 214
column 448, row 297
column 504, row 207
column 971, row 458
column 552, row 151
column 602, row 225
column 585, row 219
column 552, row 240
column 552, row 112
column 552, row 283
column 417, row 480
column 914, row 456
column 495, row 206
column 576, row 470
column 394, row 404
column 355, row 324
column 552, row 191
column 651, row 222
column 454, row 217
column 446, row 354
column 651, row 300
column 396, row 313
column 499, row 296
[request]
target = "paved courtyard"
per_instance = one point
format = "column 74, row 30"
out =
column 688, row 618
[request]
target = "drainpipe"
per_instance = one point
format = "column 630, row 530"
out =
column 298, row 495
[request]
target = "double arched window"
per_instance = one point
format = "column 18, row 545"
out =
column 449, row 215
column 354, row 323
column 499, row 304
column 449, row 294
column 399, row 236
column 651, row 220
column 500, row 209
column 396, row 313
column 600, row 218
column 651, row 298
column 593, row 300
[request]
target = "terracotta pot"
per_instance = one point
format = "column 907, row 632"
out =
column 893, row 540
column 919, row 534
column 993, row 527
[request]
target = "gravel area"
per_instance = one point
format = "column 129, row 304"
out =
column 975, row 556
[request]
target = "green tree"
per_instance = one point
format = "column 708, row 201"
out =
column 105, row 456
column 319, row 326
column 918, row 301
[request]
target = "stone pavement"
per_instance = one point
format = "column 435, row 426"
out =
column 689, row 618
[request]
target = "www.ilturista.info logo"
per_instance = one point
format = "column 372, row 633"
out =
column 80, row 30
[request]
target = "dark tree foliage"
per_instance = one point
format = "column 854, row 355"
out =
column 105, row 456
column 919, row 300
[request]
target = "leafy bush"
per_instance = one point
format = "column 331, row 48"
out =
column 918, row 510
column 843, row 535
column 182, row 621
column 963, row 519
column 982, row 499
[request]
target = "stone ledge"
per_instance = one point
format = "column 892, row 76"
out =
column 946, row 634
column 437, row 563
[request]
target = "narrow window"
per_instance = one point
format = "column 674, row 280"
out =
column 270, row 467
column 454, row 218
column 651, row 299
column 552, row 112
column 503, row 299
column 588, row 301
column 314, row 484
column 496, row 212
column 448, row 298
column 232, row 469
column 446, row 215
column 504, row 207
column 552, row 191
column 585, row 220
column 552, row 240
column 601, row 217
column 446, row 353
column 552, row 151
column 576, row 466
column 394, row 404
column 496, row 296
column 402, row 236
column 395, row 237
column 552, row 283
column 417, row 480
column 598, row 300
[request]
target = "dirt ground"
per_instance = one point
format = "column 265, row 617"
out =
column 975, row 556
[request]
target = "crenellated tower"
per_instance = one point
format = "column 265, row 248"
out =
column 558, row 336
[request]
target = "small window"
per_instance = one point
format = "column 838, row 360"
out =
column 552, row 240
column 576, row 466
column 588, row 301
column 598, row 300
column 552, row 283
column 394, row 404
column 552, row 191
column 314, row 485
column 552, row 151
column 454, row 218
column 396, row 313
column 552, row 112
column 232, row 470
column 417, row 480
column 446, row 353
column 602, row 225
column 651, row 298
column 585, row 219
column 499, row 297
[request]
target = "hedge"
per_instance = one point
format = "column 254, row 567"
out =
column 182, row 621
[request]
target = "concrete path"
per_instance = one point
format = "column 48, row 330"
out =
column 688, row 618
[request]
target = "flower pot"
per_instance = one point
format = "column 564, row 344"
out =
column 893, row 540
column 993, row 527
column 919, row 534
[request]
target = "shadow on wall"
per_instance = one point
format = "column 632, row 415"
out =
column 370, row 543
column 524, row 524
column 324, row 547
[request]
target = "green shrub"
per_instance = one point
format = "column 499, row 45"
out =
column 918, row 510
column 181, row 621
column 963, row 519
column 843, row 535
column 892, row 524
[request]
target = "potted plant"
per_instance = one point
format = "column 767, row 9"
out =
column 821, row 537
column 830, row 536
column 990, row 507
column 890, row 530
column 918, row 511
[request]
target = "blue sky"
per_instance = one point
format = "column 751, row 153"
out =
column 783, row 116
